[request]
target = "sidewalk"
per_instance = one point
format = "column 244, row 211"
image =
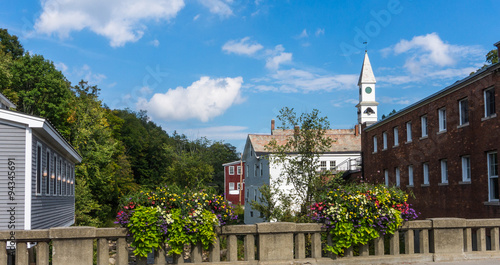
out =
column 465, row 262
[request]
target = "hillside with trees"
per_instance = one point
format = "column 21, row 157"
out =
column 123, row 151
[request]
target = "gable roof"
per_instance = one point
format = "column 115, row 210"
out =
column 44, row 129
column 344, row 140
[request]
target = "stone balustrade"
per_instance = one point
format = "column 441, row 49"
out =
column 439, row 239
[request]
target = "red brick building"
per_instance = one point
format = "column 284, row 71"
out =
column 234, row 182
column 443, row 149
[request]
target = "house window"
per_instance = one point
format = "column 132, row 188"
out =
column 261, row 170
column 444, row 171
column 53, row 177
column 426, row 173
column 63, row 184
column 231, row 185
column 442, row 119
column 398, row 177
column 255, row 170
column 396, row 136
column 463, row 106
column 333, row 164
column 38, row 169
column 323, row 165
column 410, row 175
column 466, row 177
column 493, row 176
column 384, row 138
column 59, row 177
column 489, row 102
column 386, row 177
column 408, row 131
column 423, row 121
column 375, row 144
column 255, row 195
column 231, row 170
column 238, row 170
column 67, row 179
column 246, row 197
column 47, row 174
column 238, row 186
column 246, row 171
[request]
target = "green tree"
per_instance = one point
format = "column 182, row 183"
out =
column 492, row 56
column 9, row 44
column 299, row 155
column 188, row 170
column 5, row 73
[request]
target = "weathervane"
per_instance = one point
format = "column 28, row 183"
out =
column 366, row 45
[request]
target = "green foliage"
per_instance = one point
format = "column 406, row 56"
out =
column 143, row 227
column 492, row 56
column 390, row 114
column 354, row 214
column 273, row 205
column 9, row 44
column 299, row 156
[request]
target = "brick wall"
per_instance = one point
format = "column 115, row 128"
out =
column 455, row 199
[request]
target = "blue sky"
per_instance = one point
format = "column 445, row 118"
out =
column 223, row 68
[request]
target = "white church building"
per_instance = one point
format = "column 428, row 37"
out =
column 344, row 153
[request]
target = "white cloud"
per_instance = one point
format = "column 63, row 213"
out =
column 302, row 81
column 242, row 47
column 61, row 67
column 120, row 21
column 85, row 73
column 303, row 34
column 396, row 100
column 155, row 43
column 218, row 7
column 276, row 57
column 219, row 132
column 196, row 17
column 319, row 32
column 428, row 53
column 204, row 99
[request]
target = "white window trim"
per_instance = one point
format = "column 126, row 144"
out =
column 231, row 170
column 408, row 131
column 398, row 177
column 410, row 175
column 466, row 172
column 374, row 143
column 461, row 114
column 396, row 136
column 423, row 126
column 486, row 114
column 39, row 169
column 442, row 119
column 425, row 169
column 238, row 170
column 54, row 181
column 384, row 140
column 231, row 186
column 386, row 177
column 48, row 162
column 490, row 176
column 444, row 171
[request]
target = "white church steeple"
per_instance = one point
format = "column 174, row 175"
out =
column 367, row 106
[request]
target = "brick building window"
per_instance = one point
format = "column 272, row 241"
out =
column 466, row 169
column 398, row 177
column 444, row 171
column 425, row 168
column 396, row 136
column 442, row 119
column 489, row 102
column 386, row 177
column 410, row 175
column 384, row 140
column 493, row 176
column 408, row 131
column 231, row 170
column 463, row 106
column 375, row 144
column 423, row 121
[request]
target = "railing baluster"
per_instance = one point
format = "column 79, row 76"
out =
column 424, row 241
column 160, row 256
column 481, row 239
column 468, row 240
column 3, row 252
column 232, row 248
column 394, row 243
column 21, row 253
column 249, row 247
column 348, row 252
column 102, row 251
column 179, row 259
column 316, row 245
column 379, row 246
column 364, row 250
column 196, row 253
column 142, row 260
column 409, row 242
column 121, row 251
column 42, row 253
column 494, row 239
column 214, row 255
column 300, row 246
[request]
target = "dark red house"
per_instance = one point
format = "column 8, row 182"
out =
column 234, row 182
column 443, row 149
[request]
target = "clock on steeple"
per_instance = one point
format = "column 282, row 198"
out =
column 367, row 106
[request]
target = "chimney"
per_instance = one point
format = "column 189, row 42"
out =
column 296, row 130
column 272, row 126
column 356, row 130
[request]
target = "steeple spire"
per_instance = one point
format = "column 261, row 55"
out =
column 366, row 75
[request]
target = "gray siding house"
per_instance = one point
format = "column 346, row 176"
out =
column 37, row 172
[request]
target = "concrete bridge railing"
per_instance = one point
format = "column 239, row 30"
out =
column 440, row 239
